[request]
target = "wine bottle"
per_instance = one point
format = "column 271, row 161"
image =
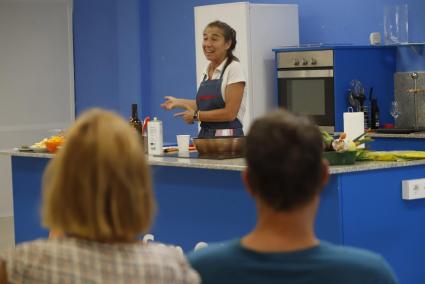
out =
column 377, row 125
column 134, row 119
column 374, row 119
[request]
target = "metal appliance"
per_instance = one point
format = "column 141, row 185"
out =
column 410, row 95
column 306, row 85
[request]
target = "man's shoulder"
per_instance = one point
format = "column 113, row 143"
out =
column 347, row 254
column 357, row 262
column 325, row 253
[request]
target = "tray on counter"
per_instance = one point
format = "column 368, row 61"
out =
column 31, row 149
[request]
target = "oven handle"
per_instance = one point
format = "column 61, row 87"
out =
column 327, row 73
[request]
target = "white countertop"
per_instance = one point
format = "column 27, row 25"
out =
column 236, row 164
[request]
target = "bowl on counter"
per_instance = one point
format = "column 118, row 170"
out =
column 340, row 158
column 220, row 147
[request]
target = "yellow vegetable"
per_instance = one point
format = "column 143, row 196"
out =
column 351, row 146
column 390, row 155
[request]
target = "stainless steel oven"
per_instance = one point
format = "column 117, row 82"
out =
column 306, row 85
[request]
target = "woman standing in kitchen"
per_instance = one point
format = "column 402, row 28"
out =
column 220, row 100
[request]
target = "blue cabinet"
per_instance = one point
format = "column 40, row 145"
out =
column 375, row 217
column 397, row 143
column 362, row 209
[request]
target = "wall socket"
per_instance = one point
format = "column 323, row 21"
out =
column 413, row 189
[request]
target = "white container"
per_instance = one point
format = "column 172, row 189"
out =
column 375, row 38
column 155, row 137
column 353, row 125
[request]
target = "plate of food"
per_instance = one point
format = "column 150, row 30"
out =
column 38, row 147
column 341, row 151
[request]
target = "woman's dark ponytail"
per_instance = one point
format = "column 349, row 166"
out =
column 229, row 35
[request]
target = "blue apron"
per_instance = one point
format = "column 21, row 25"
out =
column 209, row 97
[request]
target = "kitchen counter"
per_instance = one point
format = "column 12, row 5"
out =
column 239, row 163
column 205, row 200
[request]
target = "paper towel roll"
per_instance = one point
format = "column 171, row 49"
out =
column 354, row 125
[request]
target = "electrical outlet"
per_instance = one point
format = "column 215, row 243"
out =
column 413, row 189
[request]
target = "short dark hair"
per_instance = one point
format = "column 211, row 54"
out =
column 229, row 34
column 284, row 157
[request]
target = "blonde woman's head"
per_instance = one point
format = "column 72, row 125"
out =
column 98, row 186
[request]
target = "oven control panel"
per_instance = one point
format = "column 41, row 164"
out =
column 305, row 59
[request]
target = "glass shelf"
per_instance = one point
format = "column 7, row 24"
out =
column 417, row 47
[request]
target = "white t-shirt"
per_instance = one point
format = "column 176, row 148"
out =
column 232, row 74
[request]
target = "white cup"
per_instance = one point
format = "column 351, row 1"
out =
column 375, row 38
column 183, row 143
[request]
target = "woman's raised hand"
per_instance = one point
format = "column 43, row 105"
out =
column 170, row 103
column 187, row 105
column 187, row 116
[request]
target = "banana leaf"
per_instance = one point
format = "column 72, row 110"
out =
column 366, row 155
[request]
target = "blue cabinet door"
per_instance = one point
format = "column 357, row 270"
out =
column 375, row 217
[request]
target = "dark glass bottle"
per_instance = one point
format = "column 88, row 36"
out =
column 374, row 119
column 134, row 119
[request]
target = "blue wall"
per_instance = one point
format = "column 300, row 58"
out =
column 108, row 54
column 95, row 56
column 140, row 51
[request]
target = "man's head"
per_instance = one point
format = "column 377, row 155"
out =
column 284, row 157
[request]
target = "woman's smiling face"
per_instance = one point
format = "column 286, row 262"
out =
column 214, row 45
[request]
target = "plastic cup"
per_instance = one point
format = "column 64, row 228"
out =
column 183, row 143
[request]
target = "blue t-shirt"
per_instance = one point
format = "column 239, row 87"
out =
column 326, row 263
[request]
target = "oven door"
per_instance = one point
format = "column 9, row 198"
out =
column 310, row 93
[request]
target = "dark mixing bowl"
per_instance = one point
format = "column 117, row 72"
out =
column 220, row 147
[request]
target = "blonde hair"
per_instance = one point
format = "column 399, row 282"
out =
column 98, row 186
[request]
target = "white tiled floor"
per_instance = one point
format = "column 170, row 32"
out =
column 7, row 237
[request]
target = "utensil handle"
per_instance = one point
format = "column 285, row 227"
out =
column 360, row 136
